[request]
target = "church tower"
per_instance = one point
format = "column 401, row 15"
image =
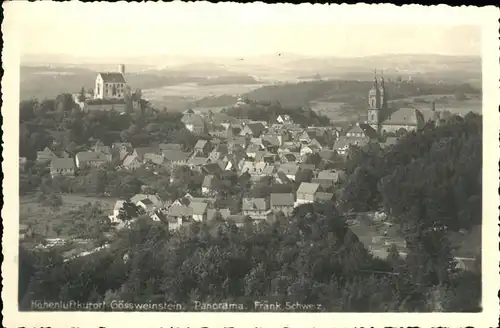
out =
column 374, row 104
column 382, row 92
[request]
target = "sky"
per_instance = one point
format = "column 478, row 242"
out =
column 204, row 29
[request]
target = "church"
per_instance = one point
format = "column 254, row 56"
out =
column 384, row 119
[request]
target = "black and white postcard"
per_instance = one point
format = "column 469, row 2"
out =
column 250, row 165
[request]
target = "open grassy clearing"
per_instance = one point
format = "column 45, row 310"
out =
column 50, row 222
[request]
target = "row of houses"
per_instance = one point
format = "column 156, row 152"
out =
column 188, row 209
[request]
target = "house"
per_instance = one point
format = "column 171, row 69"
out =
column 169, row 146
column 304, row 137
column 252, row 150
column 194, row 123
column 62, row 167
column 196, row 162
column 213, row 213
column 269, row 170
column 202, row 147
column 219, row 152
column 146, row 204
column 175, row 157
column 155, row 200
column 156, row 159
column 121, row 149
column 341, row 145
column 175, row 222
column 99, row 146
column 159, row 216
column 45, row 155
column 206, row 186
column 282, row 203
column 284, row 119
column 131, row 162
column 253, row 129
column 323, row 197
column 328, row 154
column 91, row 159
column 115, row 216
column 199, row 211
column 111, row 85
column 211, row 169
column 290, row 170
column 306, row 193
column 139, row 152
column 256, row 208
column 328, row 178
column 239, row 220
column 281, row 178
column 289, row 157
column 362, row 130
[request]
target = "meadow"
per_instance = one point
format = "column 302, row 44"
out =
column 54, row 223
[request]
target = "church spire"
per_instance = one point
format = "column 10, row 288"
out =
column 382, row 77
column 375, row 77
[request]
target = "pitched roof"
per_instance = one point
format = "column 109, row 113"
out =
column 269, row 140
column 130, row 159
column 197, row 161
column 153, row 198
column 404, row 116
column 62, row 163
column 200, row 144
column 289, row 168
column 324, row 196
column 175, row 155
column 256, row 128
column 193, row 119
column 330, row 175
column 308, row 188
column 169, row 146
column 252, row 204
column 198, row 208
column 207, row 181
column 91, row 156
column 141, row 151
column 341, row 142
column 282, row 199
column 180, row 210
column 112, row 77
column 355, row 129
column 327, row 154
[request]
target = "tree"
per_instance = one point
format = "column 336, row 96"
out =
column 81, row 96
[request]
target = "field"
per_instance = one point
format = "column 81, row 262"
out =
column 49, row 222
column 447, row 102
column 178, row 96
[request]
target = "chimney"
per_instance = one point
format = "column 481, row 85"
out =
column 121, row 69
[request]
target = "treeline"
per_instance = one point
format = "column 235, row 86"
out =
column 269, row 111
column 59, row 124
column 226, row 80
column 309, row 257
column 348, row 91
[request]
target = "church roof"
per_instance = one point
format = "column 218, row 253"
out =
column 112, row 77
column 404, row 116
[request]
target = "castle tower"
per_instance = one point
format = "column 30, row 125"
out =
column 121, row 69
column 374, row 104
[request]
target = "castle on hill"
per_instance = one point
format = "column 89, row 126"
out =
column 111, row 92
